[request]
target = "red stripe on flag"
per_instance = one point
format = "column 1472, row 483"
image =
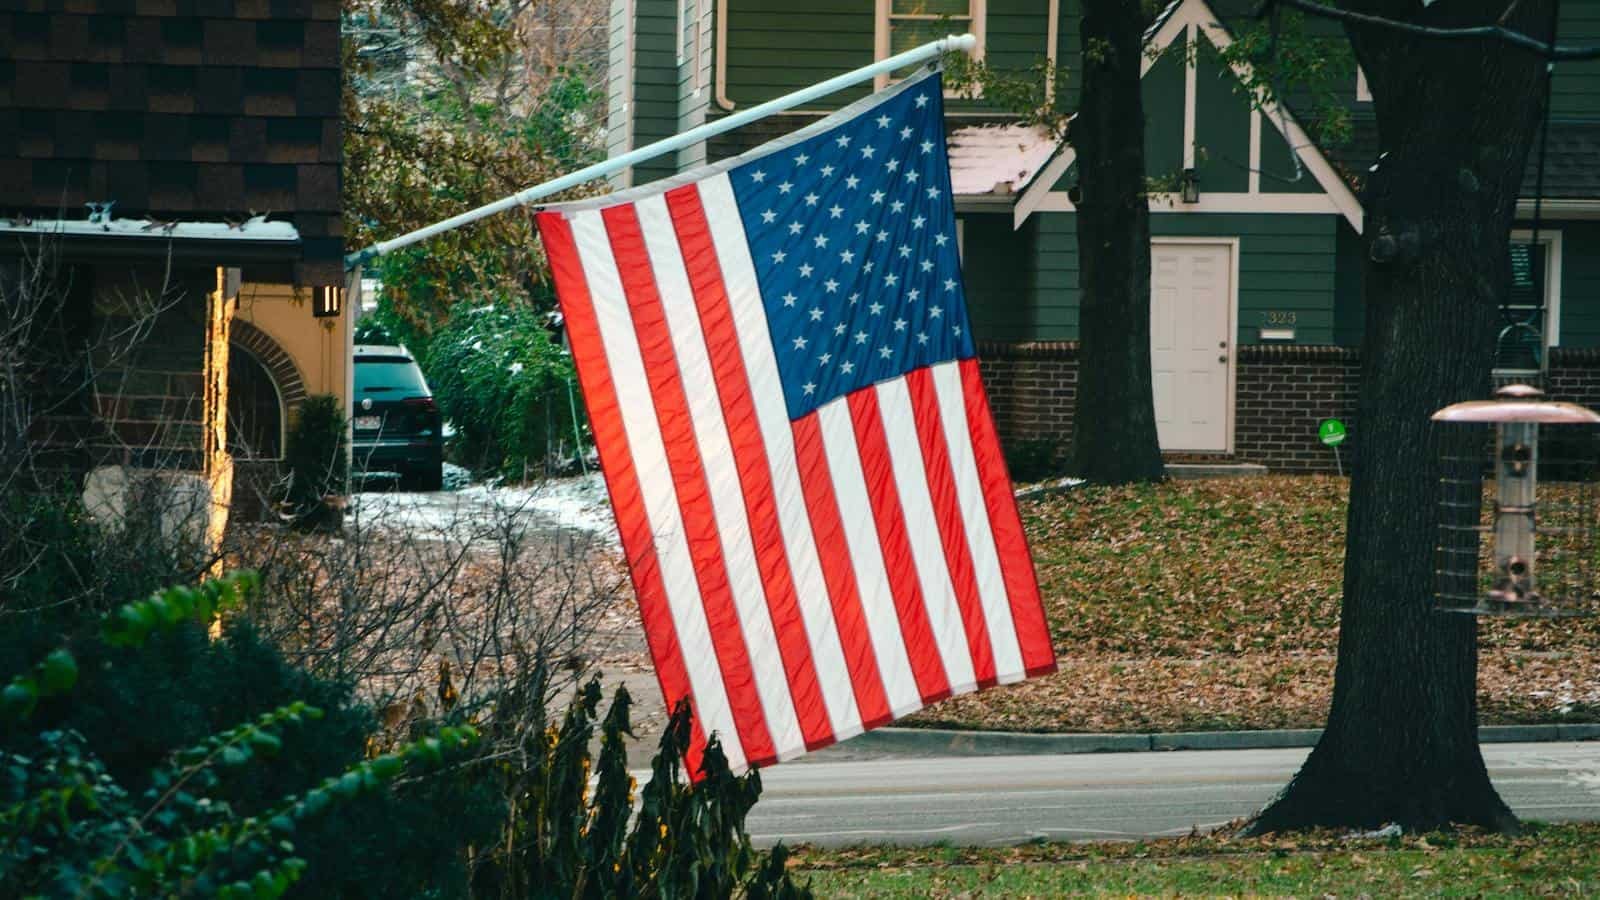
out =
column 1016, row 563
column 689, row 481
column 834, row 552
column 878, row 470
column 750, row 455
column 952, row 527
column 622, row 481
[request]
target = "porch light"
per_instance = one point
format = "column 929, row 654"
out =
column 327, row 301
column 1509, row 546
column 1191, row 186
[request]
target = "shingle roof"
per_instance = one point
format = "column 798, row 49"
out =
column 193, row 110
column 1572, row 164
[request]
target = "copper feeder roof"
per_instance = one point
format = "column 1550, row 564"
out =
column 1518, row 403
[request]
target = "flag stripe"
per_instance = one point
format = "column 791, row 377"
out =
column 736, row 458
column 779, row 655
column 749, row 322
column 899, row 430
column 714, row 694
column 697, row 518
column 947, row 517
column 975, row 516
column 849, row 488
column 854, row 630
column 622, row 482
column 1016, row 565
column 877, row 469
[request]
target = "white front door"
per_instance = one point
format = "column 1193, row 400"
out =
column 1191, row 342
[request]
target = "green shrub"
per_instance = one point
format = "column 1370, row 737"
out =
column 69, row 826
column 1034, row 459
column 505, row 385
column 566, row 840
column 316, row 460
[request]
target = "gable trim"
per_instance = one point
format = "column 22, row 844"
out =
column 1191, row 17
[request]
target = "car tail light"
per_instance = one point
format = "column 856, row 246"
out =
column 423, row 404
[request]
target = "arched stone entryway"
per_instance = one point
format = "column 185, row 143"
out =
column 264, row 389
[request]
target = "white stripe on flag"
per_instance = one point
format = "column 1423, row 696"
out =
column 722, row 475
column 866, row 555
column 975, row 518
column 911, row 480
column 639, row 421
column 766, row 392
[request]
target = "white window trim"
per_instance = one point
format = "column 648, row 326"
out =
column 979, row 13
column 1363, row 92
column 1551, row 241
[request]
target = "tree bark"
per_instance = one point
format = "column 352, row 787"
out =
column 1114, row 424
column 1455, row 122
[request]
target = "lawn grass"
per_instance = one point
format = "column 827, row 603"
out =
column 1214, row 604
column 1558, row 860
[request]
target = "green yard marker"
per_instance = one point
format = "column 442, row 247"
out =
column 1331, row 432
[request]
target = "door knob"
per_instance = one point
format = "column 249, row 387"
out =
column 1223, row 358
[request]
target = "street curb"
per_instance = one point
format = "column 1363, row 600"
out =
column 943, row 742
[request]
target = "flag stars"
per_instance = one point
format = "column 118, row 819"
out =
column 831, row 286
column 758, row 176
column 918, row 222
column 896, row 206
column 883, row 121
column 839, row 330
column 820, row 241
column 875, row 309
column 949, row 284
column 785, row 187
column 835, row 211
column 913, row 295
column 827, row 171
column 877, row 196
column 927, row 265
column 816, row 314
column 922, row 337
column 905, row 250
column 933, row 193
column 768, row 217
column 922, row 100
column 847, row 367
column 842, row 140
column 805, row 270
column 885, row 352
column 779, row 257
column 825, row 358
column 905, row 132
column 899, row 324
column 861, row 337
column 800, row 343
column 890, row 279
column 927, row 146
column 892, row 165
column 809, row 388
column 801, row 160
column 850, row 181
column 811, row 199
column 935, row 312
column 846, row 257
column 941, row 239
column 867, row 151
column 868, row 267
column 912, row 176
column 854, row 296
column 957, row 330
column 795, row 227
column 789, row 299
column 882, row 236
column 862, row 227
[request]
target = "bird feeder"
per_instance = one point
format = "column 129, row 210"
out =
column 1510, row 545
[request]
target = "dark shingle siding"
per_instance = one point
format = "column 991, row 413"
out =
column 175, row 109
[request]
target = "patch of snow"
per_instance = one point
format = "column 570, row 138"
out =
column 579, row 504
column 1000, row 159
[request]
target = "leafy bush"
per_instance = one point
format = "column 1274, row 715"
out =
column 505, row 384
column 1034, row 459
column 316, row 459
column 68, row 825
column 564, row 841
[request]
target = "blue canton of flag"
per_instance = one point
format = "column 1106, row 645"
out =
column 854, row 237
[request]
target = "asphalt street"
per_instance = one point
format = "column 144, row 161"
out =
column 1095, row 796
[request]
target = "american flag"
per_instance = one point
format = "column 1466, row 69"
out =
column 780, row 376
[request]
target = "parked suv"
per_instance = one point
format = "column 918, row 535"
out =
column 395, row 423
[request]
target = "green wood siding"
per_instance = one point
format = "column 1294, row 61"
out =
column 655, row 90
column 1221, row 125
column 1286, row 264
column 1278, row 172
column 1349, row 310
column 1576, row 88
column 1163, row 114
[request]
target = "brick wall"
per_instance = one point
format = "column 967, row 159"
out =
column 1283, row 393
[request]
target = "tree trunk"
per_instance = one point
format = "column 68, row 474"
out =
column 1114, row 426
column 1455, row 122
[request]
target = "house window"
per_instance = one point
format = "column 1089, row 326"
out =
column 904, row 24
column 1530, row 319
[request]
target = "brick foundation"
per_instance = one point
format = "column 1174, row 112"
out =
column 1283, row 393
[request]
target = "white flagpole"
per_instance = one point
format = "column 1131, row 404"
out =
column 965, row 42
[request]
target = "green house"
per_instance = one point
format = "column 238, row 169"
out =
column 1257, row 252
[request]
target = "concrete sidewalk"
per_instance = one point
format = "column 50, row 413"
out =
column 914, row 742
